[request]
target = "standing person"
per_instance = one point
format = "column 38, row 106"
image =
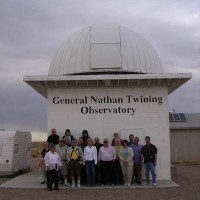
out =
column 52, row 163
column 61, row 149
column 80, row 144
column 75, row 158
column 42, row 164
column 98, row 145
column 83, row 173
column 137, row 167
column 85, row 137
column 90, row 158
column 66, row 141
column 131, row 140
column 126, row 160
column 69, row 136
column 53, row 138
column 117, row 166
column 149, row 158
column 116, row 135
column 106, row 159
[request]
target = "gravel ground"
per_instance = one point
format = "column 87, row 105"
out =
column 188, row 178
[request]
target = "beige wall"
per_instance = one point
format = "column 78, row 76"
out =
column 185, row 145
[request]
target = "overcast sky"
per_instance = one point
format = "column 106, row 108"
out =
column 32, row 31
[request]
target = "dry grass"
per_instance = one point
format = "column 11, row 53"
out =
column 36, row 149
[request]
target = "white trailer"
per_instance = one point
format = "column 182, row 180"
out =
column 15, row 152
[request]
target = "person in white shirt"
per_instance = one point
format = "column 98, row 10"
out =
column 106, row 159
column 52, row 164
column 90, row 158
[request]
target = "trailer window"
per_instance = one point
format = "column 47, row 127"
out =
column 16, row 148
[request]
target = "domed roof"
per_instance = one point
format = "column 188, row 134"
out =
column 105, row 50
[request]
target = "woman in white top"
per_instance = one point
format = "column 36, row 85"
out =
column 126, row 161
column 90, row 158
column 52, row 163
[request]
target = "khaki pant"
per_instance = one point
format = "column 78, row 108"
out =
column 127, row 171
column 64, row 168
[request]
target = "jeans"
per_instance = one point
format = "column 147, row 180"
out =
column 83, row 174
column 149, row 167
column 90, row 172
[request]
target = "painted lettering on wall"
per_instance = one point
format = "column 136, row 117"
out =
column 87, row 103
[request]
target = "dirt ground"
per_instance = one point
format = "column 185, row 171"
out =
column 188, row 178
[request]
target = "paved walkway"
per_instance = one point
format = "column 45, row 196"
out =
column 188, row 178
column 33, row 179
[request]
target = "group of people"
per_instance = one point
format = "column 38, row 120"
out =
column 75, row 162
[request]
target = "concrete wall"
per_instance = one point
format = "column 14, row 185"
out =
column 185, row 145
column 148, row 118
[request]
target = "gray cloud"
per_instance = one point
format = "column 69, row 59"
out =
column 21, row 108
column 31, row 32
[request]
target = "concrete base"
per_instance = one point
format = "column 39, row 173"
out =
column 33, row 179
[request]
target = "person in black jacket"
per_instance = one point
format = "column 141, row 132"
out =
column 69, row 136
column 53, row 138
column 97, row 144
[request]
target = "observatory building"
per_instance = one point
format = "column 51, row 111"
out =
column 108, row 80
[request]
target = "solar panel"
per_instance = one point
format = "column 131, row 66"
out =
column 182, row 116
column 177, row 117
column 171, row 118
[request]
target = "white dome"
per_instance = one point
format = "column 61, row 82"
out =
column 108, row 50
